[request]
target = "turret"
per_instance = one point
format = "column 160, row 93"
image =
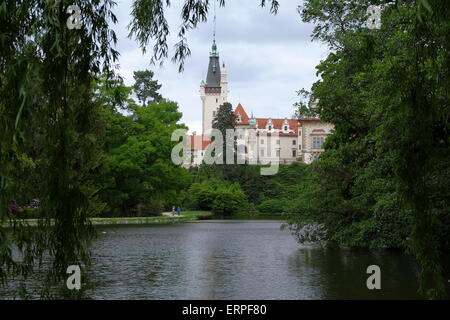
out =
column 214, row 92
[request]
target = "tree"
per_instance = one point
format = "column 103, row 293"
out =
column 145, row 87
column 225, row 118
column 222, row 197
column 139, row 178
column 223, row 121
column 386, row 91
column 46, row 71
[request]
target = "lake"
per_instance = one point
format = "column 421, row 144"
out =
column 237, row 260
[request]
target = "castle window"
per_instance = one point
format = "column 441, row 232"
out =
column 238, row 118
column 278, row 141
column 294, row 153
column 270, row 128
column 294, row 142
column 285, row 128
column 262, row 152
column 262, row 141
column 214, row 114
column 278, row 153
column 217, row 100
column 318, row 142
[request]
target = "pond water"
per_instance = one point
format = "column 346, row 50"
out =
column 237, row 260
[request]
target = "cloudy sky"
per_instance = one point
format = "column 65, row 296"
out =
column 268, row 57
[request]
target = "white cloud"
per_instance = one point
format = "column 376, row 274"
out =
column 268, row 58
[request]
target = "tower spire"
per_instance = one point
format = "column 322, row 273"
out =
column 214, row 53
column 214, row 26
column 215, row 91
column 214, row 75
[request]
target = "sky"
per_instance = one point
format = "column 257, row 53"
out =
column 268, row 57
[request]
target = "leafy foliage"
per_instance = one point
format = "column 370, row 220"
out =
column 49, row 125
column 272, row 206
column 149, row 23
column 224, row 199
column 386, row 92
column 145, row 87
column 223, row 121
column 139, row 178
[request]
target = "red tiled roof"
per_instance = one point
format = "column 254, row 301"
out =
column 244, row 116
column 278, row 124
column 198, row 143
column 262, row 122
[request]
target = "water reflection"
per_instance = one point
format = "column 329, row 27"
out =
column 236, row 260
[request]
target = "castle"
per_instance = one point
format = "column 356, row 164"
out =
column 295, row 140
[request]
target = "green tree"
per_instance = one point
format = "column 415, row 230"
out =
column 223, row 121
column 222, row 197
column 386, row 91
column 46, row 71
column 140, row 178
column 225, row 118
column 145, row 87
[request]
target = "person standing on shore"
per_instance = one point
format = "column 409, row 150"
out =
column 179, row 211
column 173, row 210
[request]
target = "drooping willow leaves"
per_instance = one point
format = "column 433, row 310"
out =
column 149, row 24
column 48, row 130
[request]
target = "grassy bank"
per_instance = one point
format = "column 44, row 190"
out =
column 186, row 216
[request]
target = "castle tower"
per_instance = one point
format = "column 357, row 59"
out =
column 215, row 91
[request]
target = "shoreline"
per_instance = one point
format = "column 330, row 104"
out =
column 188, row 216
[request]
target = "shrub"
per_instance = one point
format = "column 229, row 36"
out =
column 229, row 201
column 221, row 197
column 273, row 206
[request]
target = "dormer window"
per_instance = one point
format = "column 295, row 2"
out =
column 238, row 118
column 286, row 125
column 269, row 125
